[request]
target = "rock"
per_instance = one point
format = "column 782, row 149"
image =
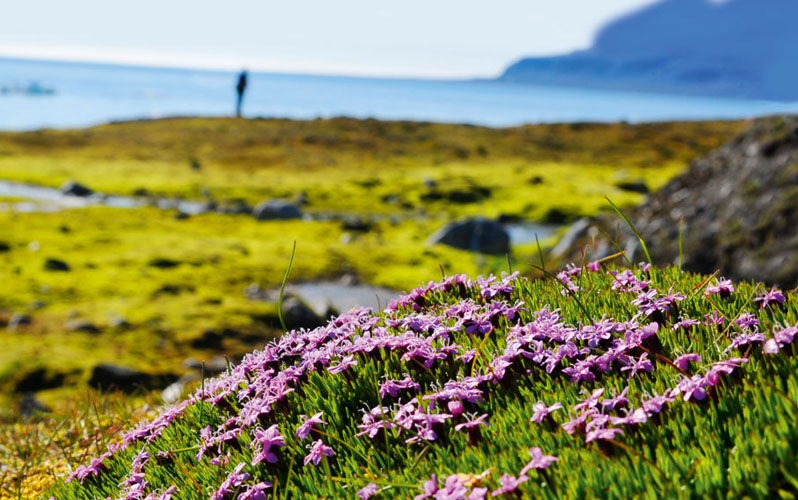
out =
column 471, row 194
column 276, row 209
column 299, row 315
column 30, row 406
column 119, row 322
column 82, row 325
column 301, row 199
column 52, row 264
column 576, row 232
column 38, row 380
column 356, row 223
column 477, row 235
column 235, row 207
column 535, row 180
column 175, row 390
column 141, row 192
column 75, row 189
column 19, row 319
column 4, row 247
column 739, row 205
column 163, row 263
column 210, row 339
column 106, row 377
column 633, row 186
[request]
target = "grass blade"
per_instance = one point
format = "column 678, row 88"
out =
column 632, row 227
column 282, row 287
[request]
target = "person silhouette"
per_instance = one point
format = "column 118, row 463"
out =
column 240, row 88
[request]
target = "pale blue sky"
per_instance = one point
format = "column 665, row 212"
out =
column 428, row 38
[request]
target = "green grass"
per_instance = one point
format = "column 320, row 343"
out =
column 739, row 442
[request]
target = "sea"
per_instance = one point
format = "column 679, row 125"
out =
column 37, row 94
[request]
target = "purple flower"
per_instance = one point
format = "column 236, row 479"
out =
column 691, row 388
column 724, row 288
column 685, row 323
column 654, row 404
column 473, row 423
column 267, row 438
column 742, row 340
column 307, row 425
column 746, row 321
column 345, row 363
column 367, row 491
column 391, row 387
column 508, row 484
column 619, row 401
column 771, row 347
column 602, row 433
column 774, row 296
column 591, row 401
column 430, row 488
column 455, row 407
column 453, row 489
column 642, row 364
column 317, row 451
column 540, row 411
column 725, row 367
column 714, row 319
column 782, row 337
column 682, row 362
column 637, row 417
column 233, row 481
column 786, row 335
column 256, row 491
column 539, row 461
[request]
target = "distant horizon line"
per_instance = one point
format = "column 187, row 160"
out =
column 218, row 67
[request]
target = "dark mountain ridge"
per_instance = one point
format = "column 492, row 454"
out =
column 737, row 48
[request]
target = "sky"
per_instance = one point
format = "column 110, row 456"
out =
column 408, row 38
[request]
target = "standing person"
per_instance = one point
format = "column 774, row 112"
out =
column 240, row 88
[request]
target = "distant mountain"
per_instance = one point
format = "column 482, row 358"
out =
column 735, row 48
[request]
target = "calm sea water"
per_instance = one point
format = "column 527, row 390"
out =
column 88, row 94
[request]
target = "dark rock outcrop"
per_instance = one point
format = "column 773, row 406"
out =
column 477, row 235
column 740, row 211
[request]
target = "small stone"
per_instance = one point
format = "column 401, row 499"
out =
column 82, row 325
column 52, row 264
column 276, row 209
column 19, row 319
column 75, row 189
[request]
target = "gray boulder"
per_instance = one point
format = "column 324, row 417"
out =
column 477, row 235
column 276, row 209
column 76, row 189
